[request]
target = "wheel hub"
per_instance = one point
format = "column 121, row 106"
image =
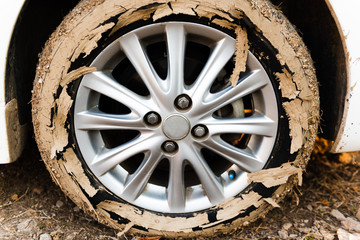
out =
column 176, row 127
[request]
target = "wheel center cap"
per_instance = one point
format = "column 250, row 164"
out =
column 176, row 127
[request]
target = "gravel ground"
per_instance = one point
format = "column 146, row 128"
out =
column 325, row 207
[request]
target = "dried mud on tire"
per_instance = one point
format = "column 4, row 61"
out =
column 78, row 36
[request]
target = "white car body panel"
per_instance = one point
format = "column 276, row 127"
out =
column 344, row 12
column 9, row 12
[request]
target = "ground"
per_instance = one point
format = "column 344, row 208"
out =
column 324, row 207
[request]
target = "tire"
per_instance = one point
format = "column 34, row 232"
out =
column 143, row 152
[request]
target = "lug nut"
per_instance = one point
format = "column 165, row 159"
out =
column 183, row 102
column 199, row 131
column 169, row 146
column 152, row 118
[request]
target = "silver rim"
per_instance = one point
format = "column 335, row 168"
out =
column 166, row 137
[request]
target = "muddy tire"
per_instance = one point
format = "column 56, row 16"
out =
column 179, row 118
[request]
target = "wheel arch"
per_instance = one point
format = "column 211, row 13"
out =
column 36, row 21
column 317, row 25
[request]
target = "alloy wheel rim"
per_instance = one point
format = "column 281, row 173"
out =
column 219, row 135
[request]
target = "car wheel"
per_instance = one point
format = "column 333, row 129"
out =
column 175, row 118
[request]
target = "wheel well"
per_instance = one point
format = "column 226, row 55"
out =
column 37, row 20
column 312, row 19
column 317, row 27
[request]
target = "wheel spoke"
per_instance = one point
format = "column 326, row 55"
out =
column 108, row 159
column 210, row 182
column 97, row 120
column 176, row 187
column 138, row 180
column 221, row 54
column 243, row 158
column 105, row 84
column 249, row 84
column 135, row 52
column 176, row 43
column 258, row 124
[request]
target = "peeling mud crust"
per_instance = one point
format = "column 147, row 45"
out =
column 275, row 176
column 242, row 48
column 79, row 34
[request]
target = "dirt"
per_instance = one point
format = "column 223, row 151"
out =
column 33, row 207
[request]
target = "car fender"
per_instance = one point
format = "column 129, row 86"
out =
column 9, row 12
column 345, row 14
